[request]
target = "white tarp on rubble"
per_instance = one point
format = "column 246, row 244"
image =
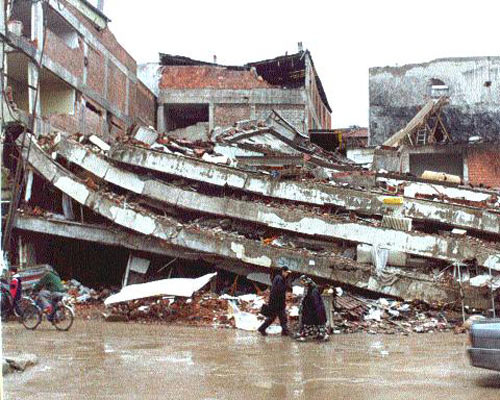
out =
column 182, row 287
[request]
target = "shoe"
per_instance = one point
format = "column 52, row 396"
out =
column 262, row 332
column 301, row 339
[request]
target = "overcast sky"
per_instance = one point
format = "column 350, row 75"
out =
column 345, row 39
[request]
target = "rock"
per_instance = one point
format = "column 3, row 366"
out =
column 19, row 363
column 6, row 368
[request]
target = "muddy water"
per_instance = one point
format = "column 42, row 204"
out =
column 98, row 360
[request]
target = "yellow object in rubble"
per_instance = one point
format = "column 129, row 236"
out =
column 393, row 200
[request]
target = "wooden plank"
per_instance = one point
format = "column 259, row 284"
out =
column 428, row 109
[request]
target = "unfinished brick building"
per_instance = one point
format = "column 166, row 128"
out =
column 88, row 82
column 195, row 96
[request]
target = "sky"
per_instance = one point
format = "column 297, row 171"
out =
column 345, row 38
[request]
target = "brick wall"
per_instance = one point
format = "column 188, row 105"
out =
column 65, row 122
column 228, row 114
column 144, row 105
column 96, row 71
column 323, row 115
column 197, row 77
column 107, row 38
column 484, row 166
column 117, row 88
column 58, row 51
column 293, row 113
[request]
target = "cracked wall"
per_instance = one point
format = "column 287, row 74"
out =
column 397, row 93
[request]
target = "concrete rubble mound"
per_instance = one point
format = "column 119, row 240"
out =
column 259, row 195
column 350, row 313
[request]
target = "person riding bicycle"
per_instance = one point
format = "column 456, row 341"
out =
column 48, row 286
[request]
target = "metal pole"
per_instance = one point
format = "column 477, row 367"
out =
column 492, row 295
column 461, row 290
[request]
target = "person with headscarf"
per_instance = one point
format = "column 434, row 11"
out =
column 313, row 313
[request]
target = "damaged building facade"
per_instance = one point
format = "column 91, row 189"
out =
column 471, row 116
column 88, row 82
column 195, row 96
column 119, row 200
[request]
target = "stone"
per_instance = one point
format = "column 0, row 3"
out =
column 18, row 363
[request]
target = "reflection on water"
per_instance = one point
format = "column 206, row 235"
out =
column 114, row 360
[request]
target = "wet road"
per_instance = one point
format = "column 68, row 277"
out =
column 98, row 360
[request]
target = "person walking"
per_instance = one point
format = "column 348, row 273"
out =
column 277, row 304
column 313, row 313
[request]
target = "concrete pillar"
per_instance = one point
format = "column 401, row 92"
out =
column 465, row 156
column 306, row 98
column 253, row 111
column 3, row 65
column 2, row 17
column 211, row 116
column 85, row 64
column 33, row 73
column 33, row 77
column 127, row 96
column 161, row 123
column 37, row 23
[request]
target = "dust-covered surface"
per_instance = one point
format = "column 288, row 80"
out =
column 135, row 361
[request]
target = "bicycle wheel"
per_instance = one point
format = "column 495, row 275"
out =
column 21, row 305
column 63, row 317
column 32, row 316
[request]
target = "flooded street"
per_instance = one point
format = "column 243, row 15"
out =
column 134, row 361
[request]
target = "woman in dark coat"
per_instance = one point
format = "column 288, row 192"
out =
column 312, row 310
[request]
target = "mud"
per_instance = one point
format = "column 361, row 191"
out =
column 136, row 361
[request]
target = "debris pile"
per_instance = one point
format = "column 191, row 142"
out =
column 203, row 309
column 353, row 314
column 350, row 313
column 88, row 303
column 82, row 294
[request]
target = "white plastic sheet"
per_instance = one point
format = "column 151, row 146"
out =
column 379, row 257
column 182, row 287
column 249, row 322
column 243, row 320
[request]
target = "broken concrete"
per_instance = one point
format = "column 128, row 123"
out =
column 363, row 202
column 433, row 246
column 408, row 285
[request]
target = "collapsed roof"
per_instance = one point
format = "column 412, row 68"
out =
column 285, row 71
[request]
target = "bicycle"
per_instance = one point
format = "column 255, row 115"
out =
column 10, row 306
column 62, row 317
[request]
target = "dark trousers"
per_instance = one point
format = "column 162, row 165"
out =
column 281, row 314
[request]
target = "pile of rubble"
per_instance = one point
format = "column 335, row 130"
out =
column 82, row 294
column 354, row 314
column 88, row 303
column 350, row 313
column 203, row 309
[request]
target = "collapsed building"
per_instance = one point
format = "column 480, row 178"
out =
column 125, row 199
column 460, row 136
